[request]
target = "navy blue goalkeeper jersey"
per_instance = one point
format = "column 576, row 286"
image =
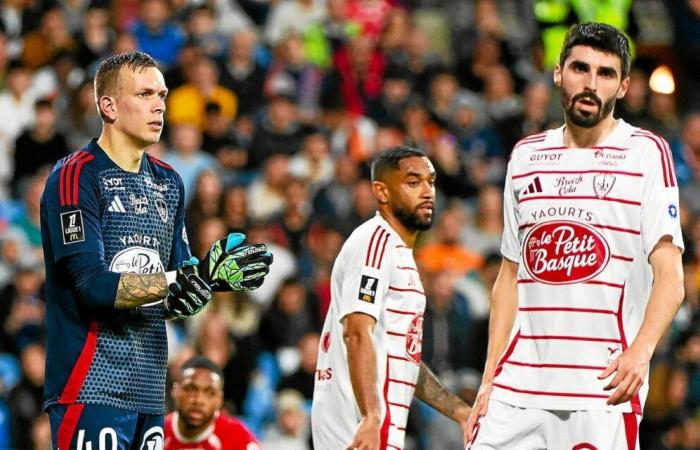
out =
column 135, row 222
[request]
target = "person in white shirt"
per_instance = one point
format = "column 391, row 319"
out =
column 369, row 365
column 591, row 275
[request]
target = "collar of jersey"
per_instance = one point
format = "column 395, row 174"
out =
column 196, row 439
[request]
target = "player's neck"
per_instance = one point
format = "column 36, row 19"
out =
column 580, row 137
column 407, row 236
column 123, row 151
column 191, row 433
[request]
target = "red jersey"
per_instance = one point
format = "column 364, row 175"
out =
column 226, row 433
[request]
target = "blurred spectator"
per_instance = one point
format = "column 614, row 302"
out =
column 686, row 28
column 16, row 104
column 397, row 28
column 302, row 380
column 483, row 233
column 349, row 134
column 26, row 397
column 686, row 156
column 445, row 250
column 503, row 105
column 41, row 433
column 370, row 14
column 295, row 219
column 206, row 201
column 293, row 314
column 364, row 204
column 235, row 209
column 47, row 41
column 633, row 107
column 446, row 326
column 187, row 157
column 291, row 74
column 28, row 220
column 183, row 71
column 444, row 96
column 40, row 145
column 242, row 74
column 292, row 15
column 419, row 60
column 279, row 132
column 335, row 200
column 155, row 32
column 208, row 230
column 187, row 104
column 387, row 110
column 663, row 114
column 313, row 163
column 266, row 194
column 291, row 431
column 535, row 117
column 201, row 27
column 22, row 307
column 452, row 177
column 81, row 122
column 419, row 128
column 322, row 39
column 220, row 140
column 96, row 37
column 358, row 73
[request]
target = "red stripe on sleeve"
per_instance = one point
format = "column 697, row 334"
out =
column 381, row 256
column 662, row 151
column 69, row 423
column 81, row 367
column 369, row 247
column 76, row 178
column 64, row 175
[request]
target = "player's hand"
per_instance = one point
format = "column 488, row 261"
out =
column 188, row 295
column 629, row 368
column 479, row 409
column 230, row 266
column 366, row 435
column 461, row 416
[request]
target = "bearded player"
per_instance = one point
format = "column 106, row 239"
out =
column 369, row 365
column 198, row 422
column 591, row 274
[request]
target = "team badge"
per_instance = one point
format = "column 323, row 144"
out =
column 162, row 209
column 603, row 184
column 368, row 289
column 72, row 225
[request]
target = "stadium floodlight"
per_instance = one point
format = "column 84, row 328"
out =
column 661, row 80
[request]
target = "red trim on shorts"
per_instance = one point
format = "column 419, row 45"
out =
column 548, row 393
column 636, row 403
column 631, row 430
column 81, row 367
column 384, row 431
column 69, row 423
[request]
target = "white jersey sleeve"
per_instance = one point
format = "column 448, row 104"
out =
column 510, row 244
column 366, row 274
column 660, row 210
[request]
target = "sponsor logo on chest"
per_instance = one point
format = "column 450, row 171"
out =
column 564, row 252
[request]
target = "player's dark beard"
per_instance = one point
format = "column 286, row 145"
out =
column 586, row 120
column 411, row 220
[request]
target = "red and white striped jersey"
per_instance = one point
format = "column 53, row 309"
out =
column 374, row 274
column 581, row 223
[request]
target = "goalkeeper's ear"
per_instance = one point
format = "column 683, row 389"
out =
column 233, row 240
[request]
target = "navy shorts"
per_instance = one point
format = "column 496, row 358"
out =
column 99, row 427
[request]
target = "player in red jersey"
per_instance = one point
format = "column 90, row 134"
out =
column 198, row 422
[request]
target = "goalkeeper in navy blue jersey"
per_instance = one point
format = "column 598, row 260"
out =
column 117, row 264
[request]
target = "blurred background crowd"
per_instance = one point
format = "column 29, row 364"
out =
column 275, row 108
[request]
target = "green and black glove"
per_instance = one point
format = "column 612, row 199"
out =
column 231, row 266
column 189, row 294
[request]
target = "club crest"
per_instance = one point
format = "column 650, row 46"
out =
column 603, row 184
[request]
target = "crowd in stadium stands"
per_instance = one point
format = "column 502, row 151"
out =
column 275, row 107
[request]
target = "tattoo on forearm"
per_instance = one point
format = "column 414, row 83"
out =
column 137, row 289
column 430, row 390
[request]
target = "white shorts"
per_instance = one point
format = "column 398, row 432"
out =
column 507, row 427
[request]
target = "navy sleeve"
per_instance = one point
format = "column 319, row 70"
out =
column 181, row 246
column 95, row 285
column 72, row 209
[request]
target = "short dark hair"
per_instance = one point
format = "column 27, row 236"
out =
column 390, row 158
column 202, row 362
column 108, row 71
column 600, row 36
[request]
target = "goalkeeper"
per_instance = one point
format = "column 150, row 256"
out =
column 117, row 263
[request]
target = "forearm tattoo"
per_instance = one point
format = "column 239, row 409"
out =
column 430, row 390
column 138, row 289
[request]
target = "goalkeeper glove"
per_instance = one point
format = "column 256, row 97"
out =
column 188, row 294
column 230, row 266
